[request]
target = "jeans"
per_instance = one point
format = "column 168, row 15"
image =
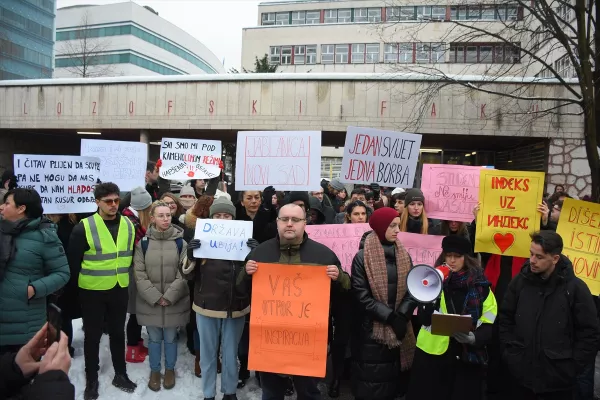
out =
column 274, row 385
column 230, row 330
column 156, row 336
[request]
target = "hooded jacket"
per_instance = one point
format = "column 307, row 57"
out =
column 39, row 260
column 549, row 328
column 315, row 205
column 157, row 275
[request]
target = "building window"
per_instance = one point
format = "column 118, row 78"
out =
column 330, row 16
column 327, row 54
column 358, row 53
column 361, row 15
column 438, row 13
column 313, row 17
column 512, row 13
column 341, row 53
column 374, row 14
column 438, row 54
column 275, row 55
column 407, row 14
column 473, row 12
column 564, row 67
column 484, row 53
column 345, row 15
column 365, row 53
column 406, row 53
column 282, row 18
column 299, row 55
column 298, row 17
column 424, row 12
column 372, row 55
column 392, row 14
column 390, row 53
column 488, row 13
column 311, row 54
column 268, row 19
column 286, row 55
column 564, row 12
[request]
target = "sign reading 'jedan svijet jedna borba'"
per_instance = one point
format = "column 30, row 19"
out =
column 384, row 157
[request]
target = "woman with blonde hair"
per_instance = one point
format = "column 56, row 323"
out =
column 175, row 205
column 414, row 218
column 139, row 215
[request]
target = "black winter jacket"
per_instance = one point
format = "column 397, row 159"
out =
column 548, row 328
column 376, row 367
column 54, row 385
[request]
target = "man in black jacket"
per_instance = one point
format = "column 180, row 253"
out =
column 548, row 323
column 50, row 379
column 292, row 246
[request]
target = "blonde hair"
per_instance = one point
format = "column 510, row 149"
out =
column 144, row 216
column 404, row 221
column 156, row 204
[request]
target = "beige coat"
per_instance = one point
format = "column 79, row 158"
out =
column 157, row 275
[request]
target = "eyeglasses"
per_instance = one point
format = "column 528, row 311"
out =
column 169, row 203
column 294, row 220
column 110, row 202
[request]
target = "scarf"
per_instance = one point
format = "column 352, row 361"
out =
column 8, row 231
column 376, row 271
column 477, row 287
column 492, row 268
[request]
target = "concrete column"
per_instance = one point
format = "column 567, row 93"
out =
column 145, row 138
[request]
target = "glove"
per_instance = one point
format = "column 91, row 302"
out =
column 267, row 197
column 465, row 338
column 252, row 243
column 425, row 311
column 398, row 323
column 211, row 187
column 376, row 191
column 193, row 244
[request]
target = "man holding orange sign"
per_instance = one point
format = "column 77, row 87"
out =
column 289, row 317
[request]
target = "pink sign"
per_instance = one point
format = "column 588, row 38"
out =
column 342, row 239
column 451, row 191
column 423, row 249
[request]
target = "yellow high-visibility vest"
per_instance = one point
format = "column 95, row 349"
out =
column 437, row 344
column 106, row 263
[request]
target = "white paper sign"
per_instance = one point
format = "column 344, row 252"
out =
column 122, row 163
column 385, row 157
column 223, row 239
column 190, row 158
column 287, row 160
column 65, row 183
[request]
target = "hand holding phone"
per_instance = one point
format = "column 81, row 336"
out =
column 54, row 316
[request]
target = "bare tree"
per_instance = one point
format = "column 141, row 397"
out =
column 555, row 40
column 84, row 52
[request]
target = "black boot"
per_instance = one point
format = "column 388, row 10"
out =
column 230, row 397
column 334, row 388
column 91, row 390
column 123, row 382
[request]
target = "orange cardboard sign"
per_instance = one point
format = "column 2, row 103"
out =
column 289, row 319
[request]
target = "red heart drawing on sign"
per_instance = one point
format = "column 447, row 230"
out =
column 504, row 241
column 191, row 174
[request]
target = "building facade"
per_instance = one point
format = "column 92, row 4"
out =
column 382, row 36
column 126, row 39
column 27, row 39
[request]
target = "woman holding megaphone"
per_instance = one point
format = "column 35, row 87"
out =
column 382, row 340
column 451, row 367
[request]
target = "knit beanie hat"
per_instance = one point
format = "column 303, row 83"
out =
column 298, row 196
column 414, row 195
column 222, row 205
column 336, row 184
column 140, row 199
column 456, row 244
column 381, row 219
column 187, row 190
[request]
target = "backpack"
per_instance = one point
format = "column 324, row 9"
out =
column 145, row 243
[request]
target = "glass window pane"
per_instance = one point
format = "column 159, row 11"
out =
column 283, row 19
column 274, row 55
column 327, row 54
column 358, row 53
column 360, row 15
column 471, row 55
column 392, row 14
column 313, row 17
column 286, row 55
column 341, row 54
column 330, row 16
column 390, row 53
column 423, row 52
column 372, row 56
column 407, row 14
column 437, row 53
column 512, row 13
column 298, row 17
column 311, row 54
column 345, row 15
column 424, row 12
column 438, row 13
column 405, row 53
column 374, row 14
column 473, row 12
column 488, row 12
column 485, row 54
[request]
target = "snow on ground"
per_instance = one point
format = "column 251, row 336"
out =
column 187, row 386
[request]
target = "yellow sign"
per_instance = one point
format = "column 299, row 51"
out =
column 579, row 227
column 508, row 213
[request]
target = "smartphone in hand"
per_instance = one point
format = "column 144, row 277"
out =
column 54, row 316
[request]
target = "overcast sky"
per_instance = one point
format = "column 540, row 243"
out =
column 216, row 23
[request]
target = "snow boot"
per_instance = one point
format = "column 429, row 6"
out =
column 154, row 381
column 169, row 381
column 91, row 390
column 123, row 382
column 134, row 355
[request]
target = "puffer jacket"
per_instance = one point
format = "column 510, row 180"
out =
column 375, row 367
column 548, row 328
column 216, row 294
column 39, row 260
column 157, row 275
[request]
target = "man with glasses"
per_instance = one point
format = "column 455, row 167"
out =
column 292, row 246
column 101, row 248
